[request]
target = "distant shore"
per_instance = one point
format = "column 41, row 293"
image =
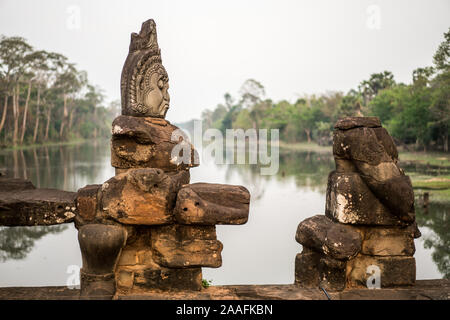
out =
column 47, row 144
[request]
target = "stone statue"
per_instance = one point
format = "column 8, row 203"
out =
column 368, row 230
column 147, row 227
column 144, row 80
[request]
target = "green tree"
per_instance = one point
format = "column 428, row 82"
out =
column 14, row 62
column 440, row 106
column 442, row 56
column 308, row 117
column 45, row 85
column 347, row 105
column 377, row 82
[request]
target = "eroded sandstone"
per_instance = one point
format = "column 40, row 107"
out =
column 211, row 204
column 336, row 240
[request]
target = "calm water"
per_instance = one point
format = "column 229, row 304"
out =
column 260, row 252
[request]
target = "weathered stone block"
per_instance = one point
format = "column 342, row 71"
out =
column 179, row 246
column 140, row 197
column 145, row 256
column 344, row 166
column 146, row 143
column 87, row 202
column 332, row 273
column 28, row 206
column 125, row 279
column 359, row 144
column 333, row 239
column 387, row 142
column 138, row 235
column 350, row 201
column 15, row 184
column 375, row 132
column 211, row 204
column 306, row 269
column 388, row 241
column 144, row 130
column 355, row 122
column 374, row 154
column 138, row 251
column 185, row 232
column 394, row 270
column 169, row 279
column 314, row 270
column 180, row 178
column 128, row 257
column 396, row 194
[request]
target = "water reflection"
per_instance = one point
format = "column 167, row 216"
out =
column 425, row 168
column 66, row 167
column 278, row 204
column 437, row 218
column 17, row 242
column 309, row 169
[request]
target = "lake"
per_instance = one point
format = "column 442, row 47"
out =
column 259, row 252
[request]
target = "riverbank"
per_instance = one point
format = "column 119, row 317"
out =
column 305, row 146
column 44, row 144
column 428, row 171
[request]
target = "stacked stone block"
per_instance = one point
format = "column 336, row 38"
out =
column 369, row 228
column 162, row 228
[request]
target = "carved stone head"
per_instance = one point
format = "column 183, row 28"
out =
column 144, row 81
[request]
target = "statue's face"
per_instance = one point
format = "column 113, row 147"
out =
column 156, row 97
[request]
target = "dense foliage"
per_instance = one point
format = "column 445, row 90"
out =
column 43, row 97
column 416, row 113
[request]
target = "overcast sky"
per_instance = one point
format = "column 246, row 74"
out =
column 211, row 47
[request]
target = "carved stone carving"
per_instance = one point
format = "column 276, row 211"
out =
column 167, row 235
column 370, row 219
column 100, row 246
column 144, row 80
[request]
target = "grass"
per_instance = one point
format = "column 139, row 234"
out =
column 435, row 195
column 50, row 143
column 432, row 184
column 206, row 283
column 431, row 158
column 305, row 146
column 438, row 184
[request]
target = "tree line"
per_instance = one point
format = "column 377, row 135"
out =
column 46, row 98
column 417, row 114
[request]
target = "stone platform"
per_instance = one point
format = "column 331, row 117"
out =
column 423, row 290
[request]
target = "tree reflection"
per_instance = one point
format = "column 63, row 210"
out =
column 309, row 169
column 67, row 167
column 17, row 242
column 438, row 220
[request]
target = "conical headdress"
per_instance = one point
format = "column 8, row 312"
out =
column 143, row 60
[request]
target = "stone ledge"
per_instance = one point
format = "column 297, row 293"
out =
column 438, row 289
column 37, row 207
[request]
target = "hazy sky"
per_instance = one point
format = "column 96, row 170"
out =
column 211, row 47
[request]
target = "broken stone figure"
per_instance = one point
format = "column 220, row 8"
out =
column 366, row 237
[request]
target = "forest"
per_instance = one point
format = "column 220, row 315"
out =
column 416, row 114
column 44, row 98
